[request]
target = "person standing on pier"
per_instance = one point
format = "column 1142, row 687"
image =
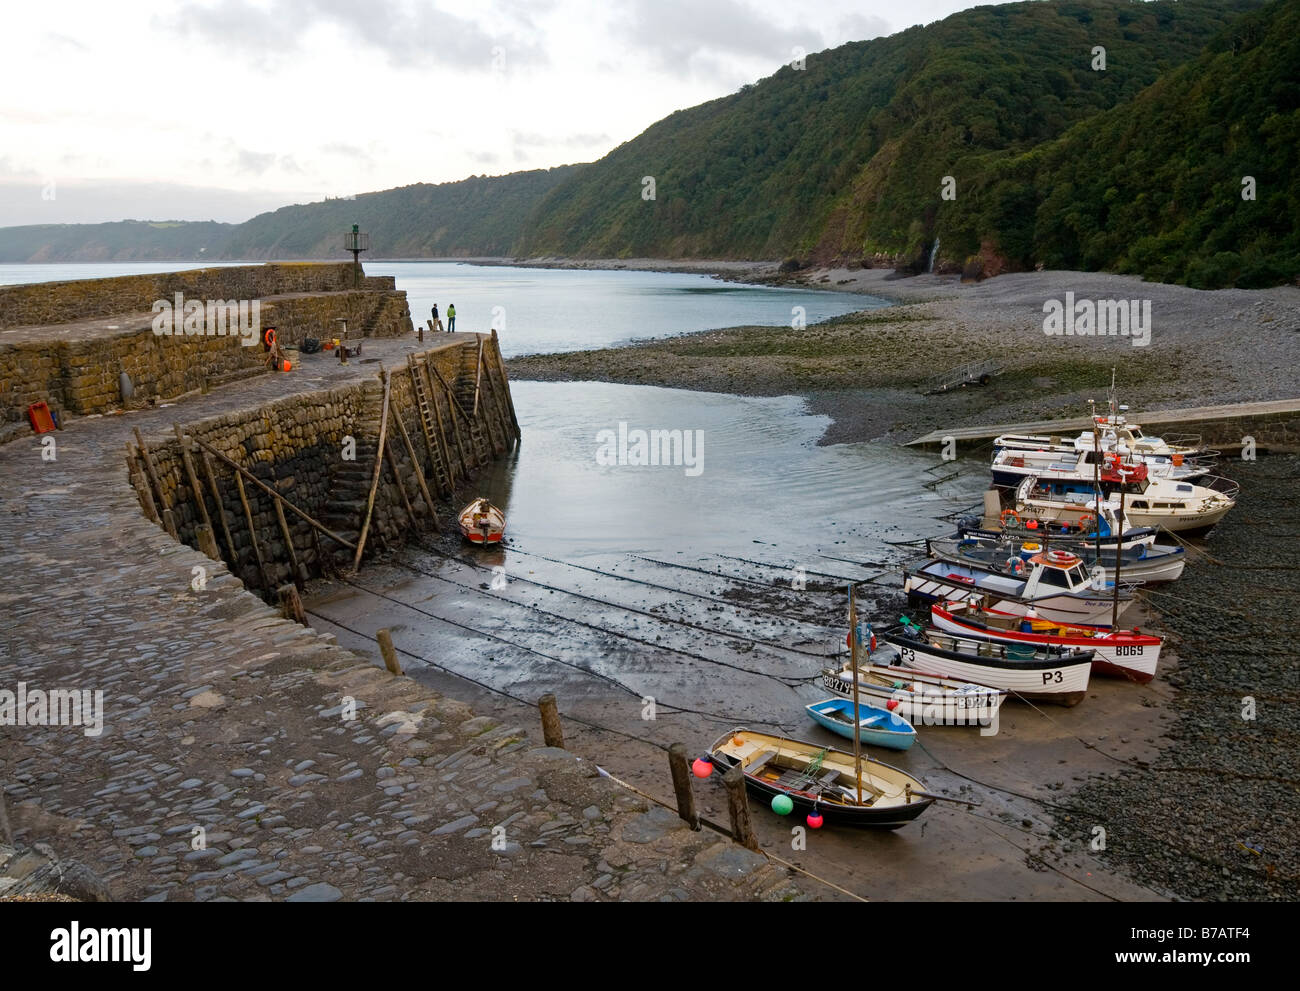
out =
column 437, row 322
column 451, row 318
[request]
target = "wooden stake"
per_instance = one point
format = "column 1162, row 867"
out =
column 397, row 477
column 505, row 383
column 221, row 506
column 241, row 471
column 207, row 540
column 195, row 488
column 252, row 532
column 478, row 375
column 374, row 478
column 291, row 604
column 419, row 470
column 288, row 543
column 389, row 651
column 141, row 483
column 682, row 784
column 552, row 728
column 742, row 830
column 151, row 469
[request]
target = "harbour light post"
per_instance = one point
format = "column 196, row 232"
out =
column 356, row 242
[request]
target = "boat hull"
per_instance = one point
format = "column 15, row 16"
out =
column 1063, row 681
column 1133, row 656
column 922, row 707
column 896, row 734
column 889, row 812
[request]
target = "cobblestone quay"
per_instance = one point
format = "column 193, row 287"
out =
column 246, row 757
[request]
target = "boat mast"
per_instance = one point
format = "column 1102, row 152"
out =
column 1114, row 613
column 1096, row 472
column 853, row 663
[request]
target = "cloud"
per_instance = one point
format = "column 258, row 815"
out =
column 260, row 162
column 862, row 27
column 681, row 33
column 408, row 33
column 527, row 139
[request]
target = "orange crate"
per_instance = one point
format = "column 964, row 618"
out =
column 39, row 415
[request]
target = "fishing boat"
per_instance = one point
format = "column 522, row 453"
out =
column 1104, row 526
column 1010, row 465
column 482, row 523
column 878, row 727
column 1179, row 507
column 920, row 698
column 1146, row 563
column 1118, row 653
column 1054, row 583
column 1039, row 673
column 822, row 780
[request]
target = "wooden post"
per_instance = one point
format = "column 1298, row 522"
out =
column 6, row 831
column 742, row 830
column 207, row 540
column 288, row 543
column 374, row 478
column 552, row 729
column 291, row 604
column 498, row 411
column 419, row 471
column 505, row 383
column 478, row 375
column 151, row 469
column 397, row 477
column 389, row 651
column 252, row 532
column 142, row 486
column 241, row 471
column 682, row 784
column 193, row 477
column 221, row 506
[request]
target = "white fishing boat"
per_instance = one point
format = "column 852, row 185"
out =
column 1039, row 673
column 1011, row 465
column 1174, row 506
column 921, row 698
column 1054, row 583
column 1145, row 563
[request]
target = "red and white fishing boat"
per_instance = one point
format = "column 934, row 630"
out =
column 482, row 523
column 1117, row 653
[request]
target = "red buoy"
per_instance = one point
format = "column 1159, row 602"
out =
column 814, row 820
column 702, row 767
column 891, row 705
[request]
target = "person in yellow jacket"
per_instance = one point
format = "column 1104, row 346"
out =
column 451, row 318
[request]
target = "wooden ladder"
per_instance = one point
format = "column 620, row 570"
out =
column 432, row 430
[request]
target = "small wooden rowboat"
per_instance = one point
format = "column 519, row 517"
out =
column 821, row 779
column 928, row 699
column 879, row 727
column 1124, row 653
column 482, row 523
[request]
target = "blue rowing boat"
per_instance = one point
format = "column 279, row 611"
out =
column 878, row 727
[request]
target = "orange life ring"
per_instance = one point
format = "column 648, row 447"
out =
column 1087, row 521
column 1061, row 557
column 1008, row 513
column 269, row 337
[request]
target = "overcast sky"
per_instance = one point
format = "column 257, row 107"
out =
column 220, row 109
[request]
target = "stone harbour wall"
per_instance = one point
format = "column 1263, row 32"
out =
column 81, row 376
column 65, row 302
column 300, row 446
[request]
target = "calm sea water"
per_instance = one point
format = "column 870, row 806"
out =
column 545, row 310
